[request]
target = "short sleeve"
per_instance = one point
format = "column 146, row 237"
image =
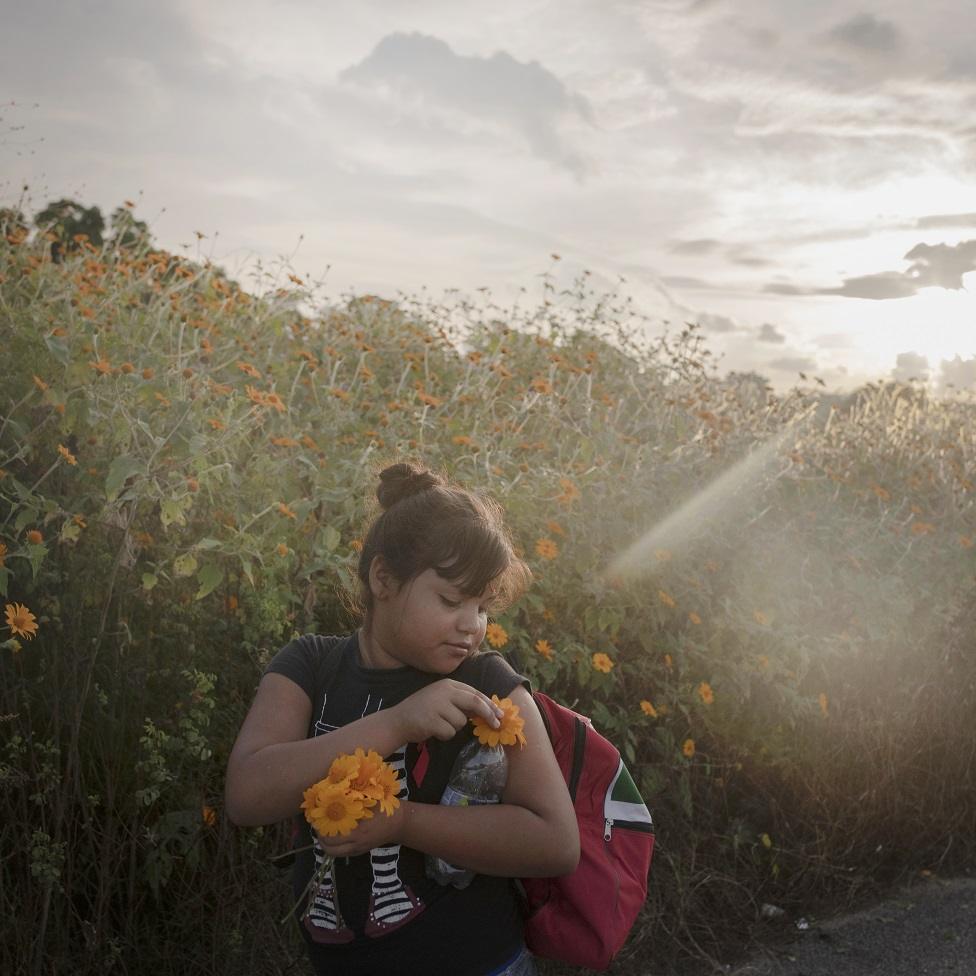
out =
column 296, row 661
column 491, row 674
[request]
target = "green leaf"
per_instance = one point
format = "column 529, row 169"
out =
column 36, row 556
column 248, row 570
column 330, row 538
column 170, row 511
column 5, row 574
column 185, row 565
column 121, row 468
column 149, row 580
column 70, row 532
column 58, row 348
column 210, row 576
column 208, row 544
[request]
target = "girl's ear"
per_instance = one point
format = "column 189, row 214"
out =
column 381, row 581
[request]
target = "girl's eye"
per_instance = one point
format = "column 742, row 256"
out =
column 453, row 604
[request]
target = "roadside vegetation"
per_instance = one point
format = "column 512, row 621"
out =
column 185, row 464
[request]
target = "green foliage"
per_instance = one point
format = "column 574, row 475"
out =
column 185, row 472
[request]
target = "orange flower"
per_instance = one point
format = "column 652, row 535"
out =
column 602, row 662
column 282, row 549
column 668, row 662
column 35, row 538
column 255, row 396
column 545, row 649
column 541, row 385
column 648, row 709
column 215, row 423
column 555, row 528
column 39, row 383
column 209, row 815
column 922, row 528
column 273, row 400
column 546, row 548
column 694, row 618
column 284, row 442
column 428, row 399
column 705, row 693
column 192, row 484
column 496, row 635
column 510, row 726
column 127, row 368
column 822, row 700
column 569, row 493
column 248, row 370
column 66, row 454
column 760, row 618
column 688, row 748
column 20, row 620
column 356, row 544
column 148, row 373
column 102, row 366
column 286, row 511
column 666, row 598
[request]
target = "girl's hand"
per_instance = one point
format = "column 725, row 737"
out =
column 441, row 709
column 379, row 830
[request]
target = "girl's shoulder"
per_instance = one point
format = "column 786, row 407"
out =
column 489, row 672
column 310, row 659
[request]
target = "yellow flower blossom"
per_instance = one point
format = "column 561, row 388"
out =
column 286, row 511
column 688, row 748
column 510, row 726
column 35, row 538
column 666, row 598
column 694, row 618
column 602, row 662
column 66, row 454
column 545, row 649
column 705, row 693
column 496, row 635
column 20, row 620
column 648, row 709
column 546, row 548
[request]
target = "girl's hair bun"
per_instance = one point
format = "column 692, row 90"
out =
column 400, row 481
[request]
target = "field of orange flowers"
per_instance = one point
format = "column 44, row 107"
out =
column 185, row 464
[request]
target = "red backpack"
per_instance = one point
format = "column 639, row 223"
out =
column 584, row 918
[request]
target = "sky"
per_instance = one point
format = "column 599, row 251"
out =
column 797, row 178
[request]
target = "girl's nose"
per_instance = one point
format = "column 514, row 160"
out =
column 469, row 621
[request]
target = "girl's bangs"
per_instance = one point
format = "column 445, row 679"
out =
column 476, row 560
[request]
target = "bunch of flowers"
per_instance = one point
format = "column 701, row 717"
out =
column 354, row 786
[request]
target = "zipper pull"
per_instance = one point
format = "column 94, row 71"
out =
column 607, row 828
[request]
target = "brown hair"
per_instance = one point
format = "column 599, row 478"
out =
column 430, row 523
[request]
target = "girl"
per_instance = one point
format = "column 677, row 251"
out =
column 433, row 563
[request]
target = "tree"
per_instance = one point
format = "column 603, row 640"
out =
column 67, row 220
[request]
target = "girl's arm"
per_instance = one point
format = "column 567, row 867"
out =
column 273, row 763
column 531, row 833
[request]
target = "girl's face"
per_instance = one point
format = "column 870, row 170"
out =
column 426, row 623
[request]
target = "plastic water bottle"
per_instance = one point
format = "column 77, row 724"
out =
column 478, row 776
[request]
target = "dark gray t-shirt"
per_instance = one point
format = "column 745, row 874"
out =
column 383, row 914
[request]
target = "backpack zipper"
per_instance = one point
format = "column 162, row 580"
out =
column 607, row 828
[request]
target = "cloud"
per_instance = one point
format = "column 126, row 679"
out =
column 958, row 372
column 931, row 266
column 945, row 220
column 769, row 333
column 910, row 366
column 868, row 33
column 711, row 322
column 524, row 96
column 684, row 281
column 795, row 364
column 703, row 245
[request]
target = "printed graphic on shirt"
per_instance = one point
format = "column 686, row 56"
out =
column 391, row 902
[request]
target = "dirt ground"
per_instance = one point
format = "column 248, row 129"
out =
column 926, row 929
